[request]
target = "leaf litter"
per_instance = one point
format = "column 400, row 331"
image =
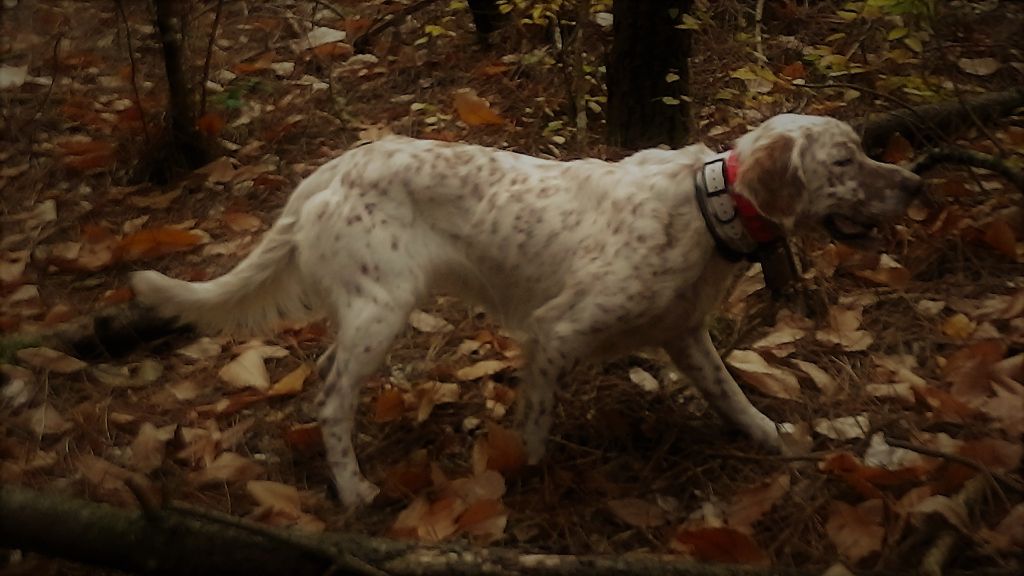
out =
column 913, row 349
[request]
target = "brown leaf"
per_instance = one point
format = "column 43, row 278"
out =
column 897, row 150
column 723, row 545
column 750, row 504
column 484, row 520
column 153, row 242
column 305, row 438
column 292, row 382
column 242, row 222
column 50, row 359
column 481, row 369
column 502, row 450
column 999, row 455
column 1000, row 235
column 229, row 467
column 389, row 405
column 210, row 124
column 408, row 477
column 148, row 447
column 857, row 532
column 795, row 71
column 45, row 420
column 474, row 110
column 637, row 513
column 969, row 370
column 768, row 379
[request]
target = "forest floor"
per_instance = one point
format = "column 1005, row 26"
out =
column 919, row 342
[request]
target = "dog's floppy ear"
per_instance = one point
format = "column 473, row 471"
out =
column 769, row 177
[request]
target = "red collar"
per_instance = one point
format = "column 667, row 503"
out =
column 761, row 229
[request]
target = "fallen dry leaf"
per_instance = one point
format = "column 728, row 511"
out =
column 389, row 406
column 148, row 447
column 481, row 369
column 291, row 383
column 430, row 394
column 637, row 513
column 766, row 378
column 474, row 110
column 978, row 66
column 50, row 359
column 722, row 545
column 843, row 428
column 242, row 222
column 12, row 266
column 153, row 242
column 45, row 420
column 823, row 380
column 856, row 531
column 750, row 504
column 229, row 467
column 428, row 323
column 500, row 450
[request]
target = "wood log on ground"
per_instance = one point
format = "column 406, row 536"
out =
column 927, row 124
column 174, row 542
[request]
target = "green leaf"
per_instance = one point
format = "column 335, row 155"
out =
column 689, row 23
column 914, row 43
column 670, row 100
column 896, row 33
column 671, row 77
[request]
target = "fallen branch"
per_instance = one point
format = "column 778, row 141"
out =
column 178, row 542
column 970, row 463
column 946, row 117
column 965, row 157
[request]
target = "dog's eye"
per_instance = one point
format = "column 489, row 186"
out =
column 843, row 162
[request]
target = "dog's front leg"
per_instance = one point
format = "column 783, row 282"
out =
column 697, row 357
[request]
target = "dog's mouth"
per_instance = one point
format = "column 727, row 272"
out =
column 846, row 227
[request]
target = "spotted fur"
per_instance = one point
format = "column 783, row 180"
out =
column 584, row 258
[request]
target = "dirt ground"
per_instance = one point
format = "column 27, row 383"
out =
column 899, row 369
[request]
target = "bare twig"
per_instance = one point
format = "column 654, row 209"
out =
column 134, row 69
column 53, row 80
column 970, row 158
column 758, row 40
column 209, row 56
column 969, row 462
column 382, row 24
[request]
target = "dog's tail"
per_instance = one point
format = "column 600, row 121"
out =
column 261, row 290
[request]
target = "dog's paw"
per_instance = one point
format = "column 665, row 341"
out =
column 358, row 493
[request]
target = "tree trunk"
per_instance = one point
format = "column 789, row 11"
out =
column 185, row 138
column 486, row 16
column 645, row 109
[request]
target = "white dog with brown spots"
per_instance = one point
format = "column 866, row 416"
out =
column 584, row 258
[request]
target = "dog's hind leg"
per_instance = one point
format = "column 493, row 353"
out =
column 366, row 328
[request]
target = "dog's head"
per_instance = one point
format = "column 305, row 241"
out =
column 812, row 170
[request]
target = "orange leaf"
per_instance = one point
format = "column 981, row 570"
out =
column 897, row 150
column 796, row 70
column 999, row 235
column 504, row 449
column 242, row 222
column 480, row 512
column 389, row 406
column 719, row 545
column 968, row 370
column 333, row 50
column 117, row 296
column 408, row 477
column 210, row 124
column 257, row 65
column 153, row 242
column 474, row 110
column 305, row 438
